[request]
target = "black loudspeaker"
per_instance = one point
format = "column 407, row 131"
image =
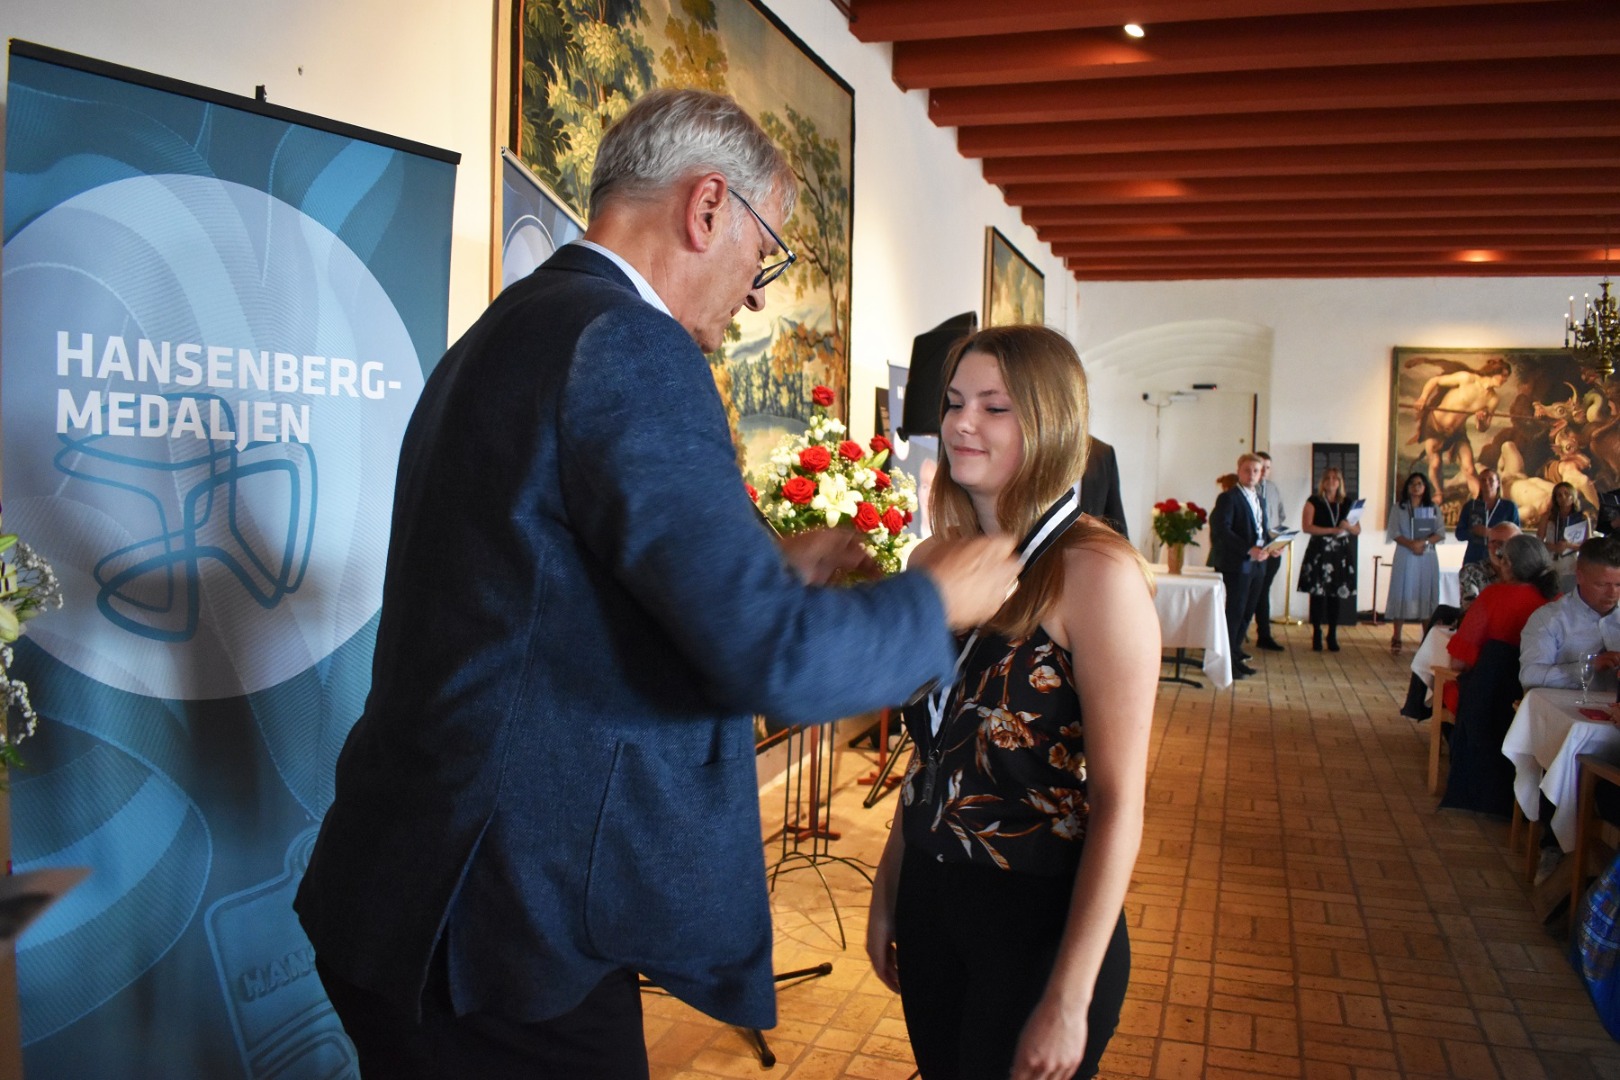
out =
column 925, row 388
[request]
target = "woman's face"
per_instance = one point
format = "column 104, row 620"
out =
column 1489, row 485
column 1564, row 499
column 982, row 438
column 1415, row 488
column 1333, row 486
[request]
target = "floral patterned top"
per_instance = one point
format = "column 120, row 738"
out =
column 1010, row 790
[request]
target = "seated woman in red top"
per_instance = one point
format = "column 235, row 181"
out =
column 1525, row 580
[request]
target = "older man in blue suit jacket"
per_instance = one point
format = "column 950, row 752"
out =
column 552, row 786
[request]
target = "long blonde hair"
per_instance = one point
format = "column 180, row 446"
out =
column 1047, row 385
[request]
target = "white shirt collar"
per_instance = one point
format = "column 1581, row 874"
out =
column 647, row 292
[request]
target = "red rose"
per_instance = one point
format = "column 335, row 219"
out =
column 908, row 517
column 822, row 395
column 815, row 458
column 881, row 479
column 850, row 450
column 893, row 521
column 1159, row 506
column 866, row 517
column 879, row 444
column 753, row 492
column 1171, row 506
column 799, row 489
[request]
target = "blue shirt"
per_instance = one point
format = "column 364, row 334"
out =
column 1474, row 513
column 1558, row 638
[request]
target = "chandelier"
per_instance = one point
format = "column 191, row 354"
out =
column 1594, row 339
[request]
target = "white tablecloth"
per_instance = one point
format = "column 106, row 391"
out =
column 1432, row 654
column 1192, row 615
column 1450, row 589
column 1547, row 735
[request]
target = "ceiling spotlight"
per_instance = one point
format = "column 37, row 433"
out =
column 1133, row 30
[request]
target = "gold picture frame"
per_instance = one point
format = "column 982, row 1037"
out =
column 1014, row 290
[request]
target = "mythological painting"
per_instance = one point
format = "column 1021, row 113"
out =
column 1014, row 291
column 577, row 66
column 1534, row 415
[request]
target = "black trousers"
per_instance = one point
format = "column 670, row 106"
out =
column 1262, row 610
column 1242, row 598
column 975, row 947
column 600, row 1039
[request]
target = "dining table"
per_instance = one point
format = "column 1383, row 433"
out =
column 1548, row 734
column 1192, row 615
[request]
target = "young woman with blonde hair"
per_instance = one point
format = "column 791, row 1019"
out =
column 996, row 908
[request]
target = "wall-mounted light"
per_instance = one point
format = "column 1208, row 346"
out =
column 1134, row 30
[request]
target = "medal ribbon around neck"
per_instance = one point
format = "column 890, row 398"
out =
column 1045, row 533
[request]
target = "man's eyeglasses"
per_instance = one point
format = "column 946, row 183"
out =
column 768, row 274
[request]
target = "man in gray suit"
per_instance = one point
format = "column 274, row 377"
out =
column 552, row 786
column 1276, row 517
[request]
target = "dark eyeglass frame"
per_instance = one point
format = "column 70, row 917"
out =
column 767, row 274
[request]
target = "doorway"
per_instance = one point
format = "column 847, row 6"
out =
column 1200, row 435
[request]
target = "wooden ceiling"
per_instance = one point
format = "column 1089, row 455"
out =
column 1283, row 138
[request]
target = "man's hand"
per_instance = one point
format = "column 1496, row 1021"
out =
column 1259, row 554
column 1607, row 660
column 974, row 577
column 821, row 555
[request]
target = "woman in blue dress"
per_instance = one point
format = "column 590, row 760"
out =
column 1414, row 583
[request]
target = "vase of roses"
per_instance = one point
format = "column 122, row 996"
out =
column 28, row 587
column 822, row 479
column 1175, row 524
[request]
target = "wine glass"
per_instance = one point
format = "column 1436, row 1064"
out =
column 1588, row 673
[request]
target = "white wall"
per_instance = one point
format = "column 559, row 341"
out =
column 1330, row 369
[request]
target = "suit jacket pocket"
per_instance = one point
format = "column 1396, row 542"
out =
column 677, row 874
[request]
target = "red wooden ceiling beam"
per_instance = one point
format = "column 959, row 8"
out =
column 1564, row 244
column 1517, row 206
column 912, row 20
column 1555, row 120
column 1436, row 258
column 1171, row 193
column 1085, row 274
column 1501, row 229
column 1380, row 158
column 1574, row 28
column 1378, row 87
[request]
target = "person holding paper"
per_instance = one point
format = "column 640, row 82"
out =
column 1414, row 581
column 1328, row 571
column 1564, row 530
column 1276, row 514
column 1480, row 513
column 996, row 904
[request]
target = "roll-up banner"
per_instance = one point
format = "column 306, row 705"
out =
column 217, row 316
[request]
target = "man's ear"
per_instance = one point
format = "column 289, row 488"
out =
column 703, row 202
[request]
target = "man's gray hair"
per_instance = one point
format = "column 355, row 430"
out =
column 670, row 134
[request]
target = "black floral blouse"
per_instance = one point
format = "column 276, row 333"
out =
column 1010, row 784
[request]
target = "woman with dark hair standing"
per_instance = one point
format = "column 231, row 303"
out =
column 1414, row 579
column 996, row 907
column 1328, row 571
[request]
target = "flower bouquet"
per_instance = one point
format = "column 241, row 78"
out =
column 28, row 587
column 822, row 479
column 1176, row 524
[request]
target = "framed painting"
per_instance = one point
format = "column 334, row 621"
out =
column 1536, row 416
column 575, row 67
column 1014, row 291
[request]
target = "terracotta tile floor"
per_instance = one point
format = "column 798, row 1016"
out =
column 1300, row 909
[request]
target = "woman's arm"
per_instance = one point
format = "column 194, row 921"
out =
column 1107, row 615
column 1465, row 643
column 1465, row 517
column 1307, row 522
column 885, row 890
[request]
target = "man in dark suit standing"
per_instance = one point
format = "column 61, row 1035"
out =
column 552, row 786
column 1099, row 486
column 1237, row 529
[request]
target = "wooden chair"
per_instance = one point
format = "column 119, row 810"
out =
column 1441, row 716
column 1588, row 826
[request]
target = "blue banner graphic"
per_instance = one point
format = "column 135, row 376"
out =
column 217, row 318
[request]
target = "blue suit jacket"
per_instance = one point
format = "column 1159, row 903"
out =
column 1232, row 534
column 581, row 614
